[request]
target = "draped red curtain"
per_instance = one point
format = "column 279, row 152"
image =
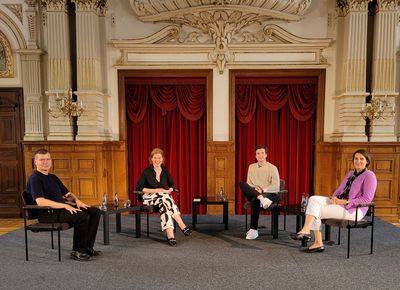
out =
column 169, row 114
column 280, row 115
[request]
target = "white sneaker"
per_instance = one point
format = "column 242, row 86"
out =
column 265, row 202
column 252, row 234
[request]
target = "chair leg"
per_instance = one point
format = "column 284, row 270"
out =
column 338, row 236
column 372, row 238
column 59, row 245
column 148, row 228
column 52, row 240
column 348, row 243
column 246, row 219
column 26, row 244
column 284, row 221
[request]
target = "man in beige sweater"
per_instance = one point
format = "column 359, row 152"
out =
column 262, row 177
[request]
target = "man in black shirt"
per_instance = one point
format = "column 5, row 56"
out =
column 48, row 190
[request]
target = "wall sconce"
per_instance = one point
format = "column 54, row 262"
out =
column 66, row 106
column 374, row 109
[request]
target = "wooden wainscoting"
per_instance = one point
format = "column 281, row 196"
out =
column 333, row 160
column 88, row 169
column 221, row 173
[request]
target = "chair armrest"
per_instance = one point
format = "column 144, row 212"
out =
column 366, row 205
column 142, row 193
column 37, row 207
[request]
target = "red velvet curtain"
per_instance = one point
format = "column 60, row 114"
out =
column 281, row 115
column 169, row 114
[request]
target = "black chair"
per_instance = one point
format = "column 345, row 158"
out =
column 138, row 196
column 367, row 221
column 280, row 206
column 31, row 212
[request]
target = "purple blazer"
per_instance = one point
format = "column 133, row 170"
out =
column 362, row 190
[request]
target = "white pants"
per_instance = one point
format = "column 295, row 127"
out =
column 321, row 207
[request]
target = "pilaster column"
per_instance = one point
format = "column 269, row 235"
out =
column 32, row 17
column 351, row 70
column 384, row 72
column 90, row 64
column 58, row 66
column 33, row 99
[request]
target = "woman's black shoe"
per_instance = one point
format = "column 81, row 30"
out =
column 316, row 250
column 186, row 231
column 78, row 256
column 171, row 242
column 300, row 237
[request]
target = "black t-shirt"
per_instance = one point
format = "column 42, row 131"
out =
column 148, row 179
column 47, row 186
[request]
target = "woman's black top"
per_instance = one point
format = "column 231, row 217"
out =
column 148, row 179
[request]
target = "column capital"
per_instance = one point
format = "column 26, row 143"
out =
column 388, row 5
column 97, row 6
column 54, row 5
column 344, row 7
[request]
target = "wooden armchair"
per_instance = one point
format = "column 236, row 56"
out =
column 31, row 211
column 367, row 221
column 281, row 206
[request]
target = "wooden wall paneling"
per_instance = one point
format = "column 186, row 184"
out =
column 221, row 173
column 326, row 169
column 87, row 168
column 116, row 173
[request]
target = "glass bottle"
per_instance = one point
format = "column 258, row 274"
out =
column 104, row 202
column 127, row 203
column 221, row 194
column 116, row 200
column 304, row 201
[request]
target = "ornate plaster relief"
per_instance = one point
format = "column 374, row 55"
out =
column 222, row 24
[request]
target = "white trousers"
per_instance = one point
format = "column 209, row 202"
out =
column 321, row 207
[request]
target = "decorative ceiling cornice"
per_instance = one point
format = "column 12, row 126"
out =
column 168, row 10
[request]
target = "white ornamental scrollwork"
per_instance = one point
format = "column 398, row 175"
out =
column 221, row 26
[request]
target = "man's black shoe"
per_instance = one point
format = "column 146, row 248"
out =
column 93, row 253
column 82, row 257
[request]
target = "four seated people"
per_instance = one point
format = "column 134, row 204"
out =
column 156, row 184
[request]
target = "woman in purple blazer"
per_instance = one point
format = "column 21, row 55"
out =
column 357, row 188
